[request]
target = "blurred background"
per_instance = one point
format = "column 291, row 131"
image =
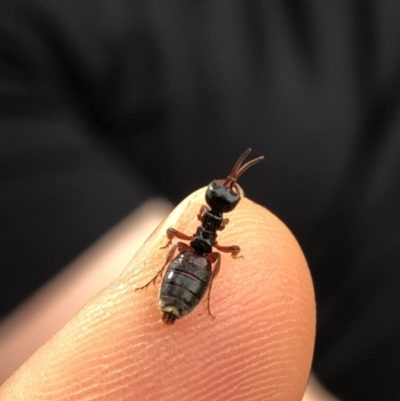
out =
column 106, row 106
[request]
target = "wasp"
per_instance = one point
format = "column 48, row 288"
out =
column 190, row 274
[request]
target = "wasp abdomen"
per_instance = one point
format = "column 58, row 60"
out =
column 184, row 285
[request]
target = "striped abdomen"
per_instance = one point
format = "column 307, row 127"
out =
column 184, row 285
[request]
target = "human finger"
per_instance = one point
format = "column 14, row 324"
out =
column 258, row 347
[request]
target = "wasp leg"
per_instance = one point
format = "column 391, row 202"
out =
column 168, row 259
column 202, row 210
column 172, row 233
column 233, row 250
column 170, row 255
column 213, row 257
column 223, row 224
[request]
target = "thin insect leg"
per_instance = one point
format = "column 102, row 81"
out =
column 213, row 257
column 172, row 233
column 182, row 247
column 202, row 210
column 223, row 224
column 233, row 250
column 168, row 259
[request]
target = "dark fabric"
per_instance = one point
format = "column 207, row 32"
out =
column 104, row 103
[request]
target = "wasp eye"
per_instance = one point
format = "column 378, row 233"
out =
column 221, row 198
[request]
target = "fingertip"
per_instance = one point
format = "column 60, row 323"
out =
column 258, row 347
column 263, row 305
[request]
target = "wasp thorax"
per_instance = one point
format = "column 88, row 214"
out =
column 220, row 197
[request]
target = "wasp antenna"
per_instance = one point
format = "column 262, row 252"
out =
column 236, row 168
column 246, row 166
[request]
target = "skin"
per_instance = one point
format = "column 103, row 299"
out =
column 259, row 346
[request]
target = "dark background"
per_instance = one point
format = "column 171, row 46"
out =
column 105, row 103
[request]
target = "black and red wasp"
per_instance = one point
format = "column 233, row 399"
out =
column 192, row 272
